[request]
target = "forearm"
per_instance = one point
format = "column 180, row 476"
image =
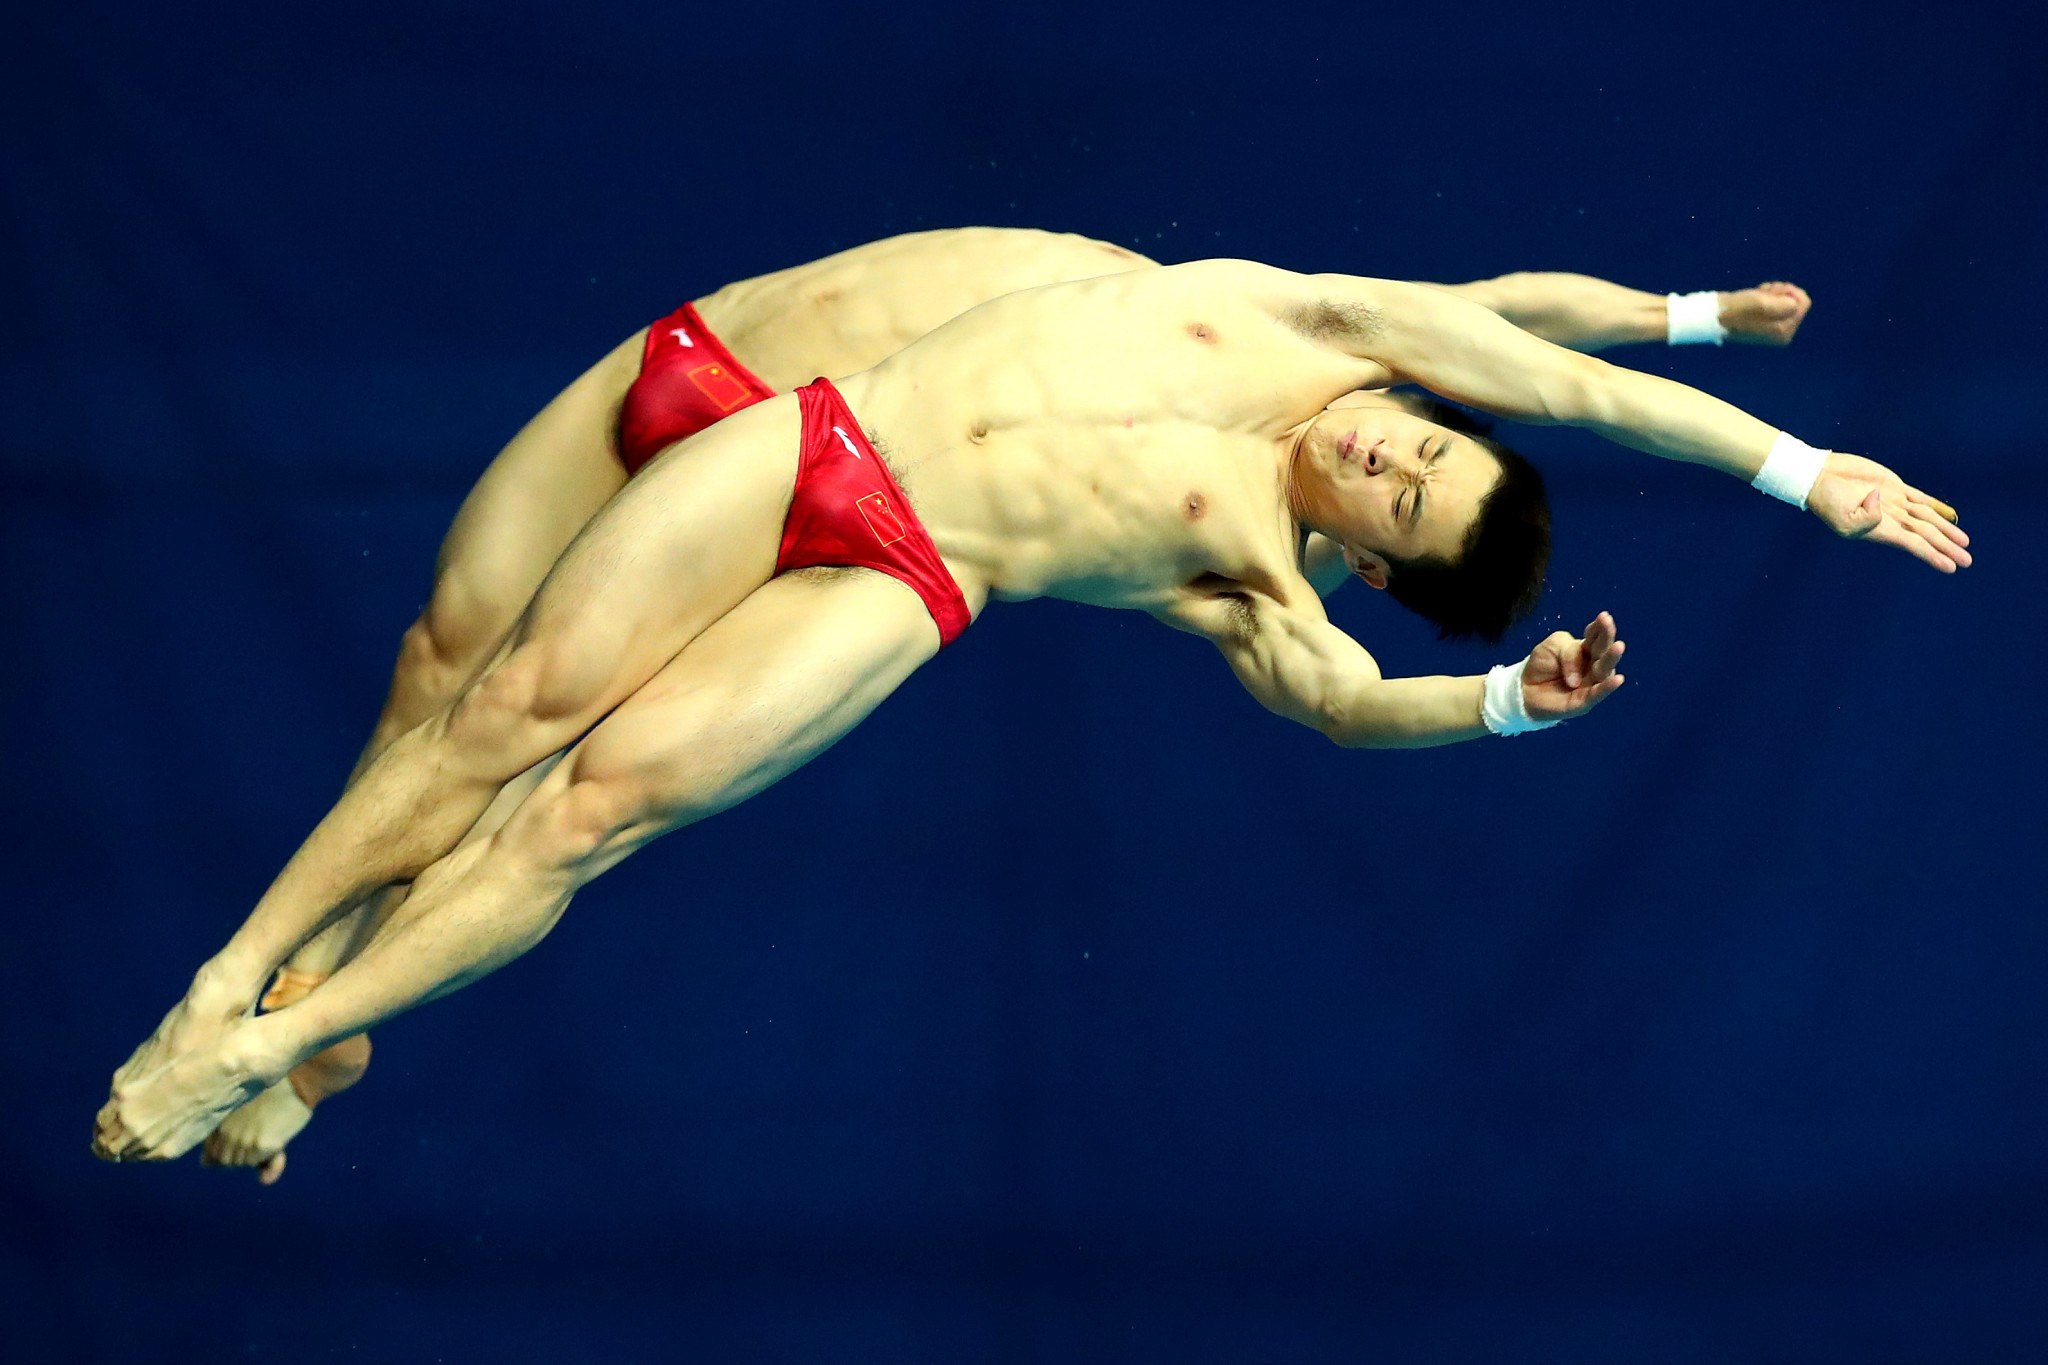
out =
column 1664, row 418
column 1467, row 353
column 1409, row 713
column 1578, row 311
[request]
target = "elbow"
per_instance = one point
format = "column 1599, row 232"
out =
column 1347, row 727
column 1571, row 394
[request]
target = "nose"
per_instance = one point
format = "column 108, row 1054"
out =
column 1375, row 459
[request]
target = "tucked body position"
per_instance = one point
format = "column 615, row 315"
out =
column 1169, row 440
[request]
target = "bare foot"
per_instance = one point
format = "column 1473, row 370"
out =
column 256, row 1134
column 1767, row 315
column 162, row 1114
column 208, row 1010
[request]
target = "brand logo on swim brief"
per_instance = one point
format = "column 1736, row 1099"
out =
column 846, row 441
column 719, row 385
column 881, row 518
column 684, row 337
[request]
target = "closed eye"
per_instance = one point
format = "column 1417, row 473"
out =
column 1429, row 463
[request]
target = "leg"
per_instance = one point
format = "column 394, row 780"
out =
column 758, row 694
column 549, row 480
column 542, row 488
column 257, row 1133
column 683, row 544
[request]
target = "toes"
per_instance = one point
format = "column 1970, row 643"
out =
column 269, row 1171
column 109, row 1138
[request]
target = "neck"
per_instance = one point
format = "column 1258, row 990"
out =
column 1290, row 475
column 1297, row 496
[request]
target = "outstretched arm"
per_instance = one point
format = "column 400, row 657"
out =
column 1454, row 347
column 1300, row 666
column 1589, row 314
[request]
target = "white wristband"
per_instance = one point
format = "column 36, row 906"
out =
column 1504, row 710
column 1790, row 470
column 1690, row 319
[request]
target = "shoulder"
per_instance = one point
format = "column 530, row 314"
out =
column 1225, row 271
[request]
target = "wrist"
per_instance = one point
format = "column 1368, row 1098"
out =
column 1790, row 471
column 1694, row 319
column 1504, row 707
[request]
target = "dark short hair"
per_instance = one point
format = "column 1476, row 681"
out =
column 1498, row 574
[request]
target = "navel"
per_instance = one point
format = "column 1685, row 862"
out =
column 1203, row 332
column 978, row 432
column 1194, row 507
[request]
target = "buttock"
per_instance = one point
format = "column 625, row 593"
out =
column 688, row 380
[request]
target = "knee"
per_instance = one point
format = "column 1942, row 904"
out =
column 437, row 654
column 525, row 705
column 585, row 825
column 462, row 623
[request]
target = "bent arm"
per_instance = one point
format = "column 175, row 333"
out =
column 1298, row 665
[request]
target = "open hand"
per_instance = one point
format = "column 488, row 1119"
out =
column 1862, row 500
column 1767, row 315
column 1568, row 676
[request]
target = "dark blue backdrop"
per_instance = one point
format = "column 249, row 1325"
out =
column 1709, row 1029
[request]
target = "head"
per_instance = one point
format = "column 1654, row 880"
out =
column 1450, row 522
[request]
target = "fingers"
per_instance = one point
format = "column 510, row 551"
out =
column 1947, row 540
column 1604, row 666
column 1594, row 695
column 1916, row 529
column 1893, row 532
column 1584, row 654
column 1916, row 497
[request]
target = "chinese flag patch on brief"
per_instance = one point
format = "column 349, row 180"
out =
column 719, row 385
column 881, row 518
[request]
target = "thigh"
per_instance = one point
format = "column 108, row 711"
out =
column 771, row 685
column 537, row 494
column 684, row 543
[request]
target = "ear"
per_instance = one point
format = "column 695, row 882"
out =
column 1368, row 566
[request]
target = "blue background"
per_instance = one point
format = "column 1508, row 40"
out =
column 1073, row 1008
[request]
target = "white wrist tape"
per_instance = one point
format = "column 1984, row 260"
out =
column 1504, row 710
column 1690, row 319
column 1790, row 470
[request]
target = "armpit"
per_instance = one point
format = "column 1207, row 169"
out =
column 1327, row 319
column 1239, row 618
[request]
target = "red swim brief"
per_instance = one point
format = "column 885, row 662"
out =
column 847, row 509
column 688, row 380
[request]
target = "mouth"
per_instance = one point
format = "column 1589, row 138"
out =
column 1348, row 444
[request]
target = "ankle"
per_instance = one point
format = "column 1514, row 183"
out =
column 265, row 1047
column 224, row 988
